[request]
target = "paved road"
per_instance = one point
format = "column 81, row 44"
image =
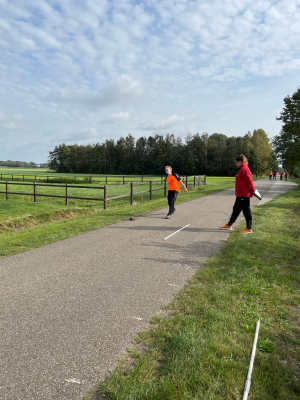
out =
column 69, row 309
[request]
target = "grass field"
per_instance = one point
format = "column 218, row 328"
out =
column 44, row 175
column 25, row 225
column 201, row 349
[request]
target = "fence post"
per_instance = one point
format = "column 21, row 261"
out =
column 131, row 193
column 204, row 179
column 150, row 190
column 34, row 192
column 47, row 178
column 106, row 180
column 142, row 178
column 161, row 180
column 23, row 178
column 123, row 179
column 1, row 177
column 12, row 177
column 194, row 180
column 186, row 181
column 165, row 189
column 7, row 193
column 34, row 178
column 105, row 197
column 67, row 194
column 90, row 179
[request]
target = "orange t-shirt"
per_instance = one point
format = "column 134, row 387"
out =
column 173, row 182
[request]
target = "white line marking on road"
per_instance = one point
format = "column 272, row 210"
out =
column 176, row 232
column 73, row 380
column 172, row 284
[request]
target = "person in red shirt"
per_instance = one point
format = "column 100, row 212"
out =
column 274, row 175
column 173, row 181
column 244, row 189
column 286, row 175
column 281, row 175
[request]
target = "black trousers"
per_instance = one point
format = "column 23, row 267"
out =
column 172, row 195
column 241, row 204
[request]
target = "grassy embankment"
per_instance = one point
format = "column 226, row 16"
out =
column 201, row 350
column 25, row 225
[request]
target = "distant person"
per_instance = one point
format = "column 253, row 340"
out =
column 173, row 181
column 274, row 175
column 286, row 175
column 244, row 189
column 270, row 174
column 281, row 175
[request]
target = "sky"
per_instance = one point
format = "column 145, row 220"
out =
column 89, row 70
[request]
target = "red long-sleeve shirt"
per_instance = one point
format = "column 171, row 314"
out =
column 244, row 186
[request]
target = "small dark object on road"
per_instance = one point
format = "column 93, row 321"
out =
column 132, row 218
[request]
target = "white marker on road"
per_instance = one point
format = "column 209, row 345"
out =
column 176, row 232
column 73, row 380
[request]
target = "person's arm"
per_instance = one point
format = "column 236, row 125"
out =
column 248, row 179
column 182, row 184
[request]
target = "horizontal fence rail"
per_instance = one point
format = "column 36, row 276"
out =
column 192, row 180
column 119, row 179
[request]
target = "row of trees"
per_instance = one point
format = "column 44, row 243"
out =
column 22, row 164
column 287, row 143
column 198, row 154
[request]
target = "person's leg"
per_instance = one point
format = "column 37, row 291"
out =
column 175, row 198
column 171, row 200
column 247, row 212
column 237, row 208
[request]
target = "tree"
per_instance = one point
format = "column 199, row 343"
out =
column 262, row 151
column 287, row 143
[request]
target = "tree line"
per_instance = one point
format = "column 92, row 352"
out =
column 197, row 154
column 22, row 164
column 287, row 143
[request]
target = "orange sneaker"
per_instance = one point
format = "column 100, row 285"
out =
column 245, row 231
column 226, row 227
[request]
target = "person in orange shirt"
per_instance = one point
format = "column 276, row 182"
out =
column 270, row 174
column 173, row 181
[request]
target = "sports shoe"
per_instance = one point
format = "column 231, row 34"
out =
column 226, row 227
column 168, row 217
column 174, row 211
column 245, row 231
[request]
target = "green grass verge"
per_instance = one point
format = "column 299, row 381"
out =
column 201, row 350
column 26, row 225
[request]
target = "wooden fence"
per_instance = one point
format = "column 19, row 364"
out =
column 122, row 179
column 195, row 180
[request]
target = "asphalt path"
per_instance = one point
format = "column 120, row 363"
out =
column 71, row 308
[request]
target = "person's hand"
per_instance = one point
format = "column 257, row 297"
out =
column 186, row 191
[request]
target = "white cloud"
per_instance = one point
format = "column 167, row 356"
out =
column 161, row 124
column 123, row 88
column 115, row 117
